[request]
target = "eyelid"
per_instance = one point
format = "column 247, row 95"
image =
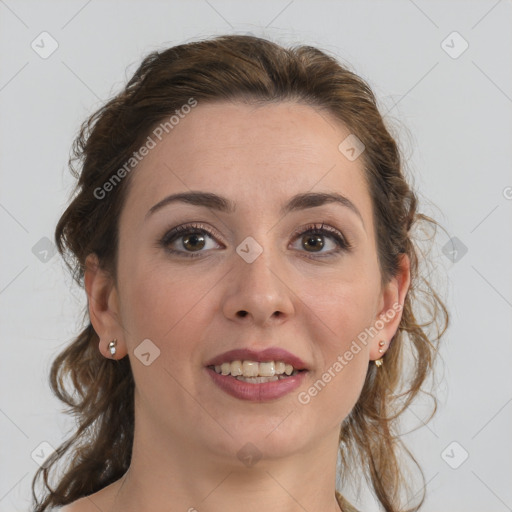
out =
column 341, row 241
column 173, row 234
column 343, row 244
column 323, row 227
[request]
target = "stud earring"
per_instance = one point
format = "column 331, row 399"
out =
column 380, row 362
column 112, row 347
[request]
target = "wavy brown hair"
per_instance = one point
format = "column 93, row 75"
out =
column 99, row 392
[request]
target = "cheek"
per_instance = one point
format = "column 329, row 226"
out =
column 168, row 309
column 343, row 382
column 346, row 350
column 344, row 309
column 342, row 359
column 165, row 305
column 344, row 305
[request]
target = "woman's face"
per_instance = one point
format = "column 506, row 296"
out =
column 247, row 278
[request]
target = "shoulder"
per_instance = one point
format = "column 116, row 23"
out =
column 81, row 505
column 100, row 500
column 91, row 503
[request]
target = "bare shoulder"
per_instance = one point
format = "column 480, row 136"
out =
column 81, row 505
column 100, row 500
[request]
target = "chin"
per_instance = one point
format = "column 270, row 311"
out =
column 258, row 436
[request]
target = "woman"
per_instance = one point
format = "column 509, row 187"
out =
column 243, row 230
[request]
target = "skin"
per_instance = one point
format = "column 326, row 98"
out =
column 188, row 432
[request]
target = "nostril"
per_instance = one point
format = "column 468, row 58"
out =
column 242, row 313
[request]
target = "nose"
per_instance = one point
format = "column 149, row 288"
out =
column 258, row 292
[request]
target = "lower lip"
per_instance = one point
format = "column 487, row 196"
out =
column 263, row 392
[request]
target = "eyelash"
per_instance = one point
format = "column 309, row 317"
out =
column 179, row 231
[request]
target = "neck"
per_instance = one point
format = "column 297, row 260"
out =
column 174, row 474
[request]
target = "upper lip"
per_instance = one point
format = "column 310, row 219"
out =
column 269, row 354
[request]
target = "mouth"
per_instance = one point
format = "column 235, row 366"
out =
column 257, row 376
column 256, row 372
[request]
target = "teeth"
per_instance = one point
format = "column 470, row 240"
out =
column 267, row 369
column 252, row 371
column 279, row 366
column 236, row 368
column 259, row 380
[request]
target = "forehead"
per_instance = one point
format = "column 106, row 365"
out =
column 256, row 155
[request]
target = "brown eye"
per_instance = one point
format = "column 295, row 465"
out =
column 193, row 242
column 313, row 242
column 322, row 240
column 188, row 240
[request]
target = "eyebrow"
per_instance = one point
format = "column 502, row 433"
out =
column 222, row 204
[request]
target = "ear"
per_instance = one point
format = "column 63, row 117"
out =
column 390, row 308
column 103, row 305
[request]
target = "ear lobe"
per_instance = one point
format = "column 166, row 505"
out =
column 102, row 305
column 393, row 299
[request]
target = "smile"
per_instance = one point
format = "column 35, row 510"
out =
column 257, row 376
column 256, row 372
column 256, row 388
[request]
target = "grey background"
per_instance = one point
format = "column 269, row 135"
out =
column 453, row 119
